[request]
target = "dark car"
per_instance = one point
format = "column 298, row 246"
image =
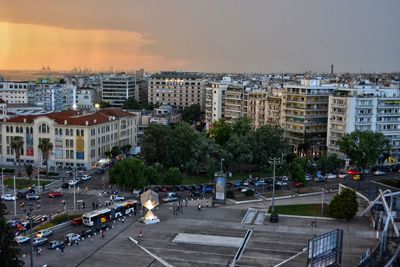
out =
column 87, row 232
column 174, row 189
column 22, row 194
column 104, row 226
column 183, row 188
column 196, row 194
column 56, row 244
column 157, row 189
column 65, row 186
column 274, row 217
column 165, row 189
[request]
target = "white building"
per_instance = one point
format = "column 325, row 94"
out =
column 15, row 92
column 215, row 99
column 86, row 97
column 78, row 139
column 364, row 108
column 116, row 89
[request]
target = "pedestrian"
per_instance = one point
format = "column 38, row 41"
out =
column 186, row 201
column 37, row 252
column 123, row 220
column 62, row 250
column 140, row 233
column 83, row 205
column 93, row 205
column 77, row 242
column 102, row 233
column 43, row 187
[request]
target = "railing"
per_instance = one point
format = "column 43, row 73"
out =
column 395, row 260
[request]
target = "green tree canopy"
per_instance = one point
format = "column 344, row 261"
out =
column 46, row 146
column 269, row 143
column 220, row 132
column 344, row 205
column 298, row 174
column 130, row 173
column 9, row 249
column 329, row 164
column 173, row 176
column 364, row 147
column 132, row 103
column 191, row 114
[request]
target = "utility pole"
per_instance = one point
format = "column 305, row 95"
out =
column 30, row 232
column 222, row 160
column 15, row 199
column 38, row 173
column 2, row 180
column 322, row 202
column 274, row 162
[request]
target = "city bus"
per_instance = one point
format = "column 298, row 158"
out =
column 103, row 215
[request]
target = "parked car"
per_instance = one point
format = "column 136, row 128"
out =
column 196, row 193
column 165, row 189
column 379, row 173
column 259, row 183
column 72, row 182
column 308, row 177
column 157, row 189
column 319, row 179
column 285, row 178
column 54, row 194
column 56, row 244
column 32, row 196
column 137, row 192
column 86, row 177
column 117, row 198
column 298, row 184
column 77, row 221
column 246, row 183
column 354, row 172
column 8, row 197
column 183, row 188
column 99, row 170
column 22, row 194
column 208, row 189
column 71, row 237
column 171, row 197
column 282, row 183
column 87, row 232
column 38, row 241
column 245, row 189
column 342, row 175
column 44, row 233
column 13, row 223
column 21, row 239
column 65, row 186
column 331, row 176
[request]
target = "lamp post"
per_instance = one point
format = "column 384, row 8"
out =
column 38, row 173
column 274, row 161
column 30, row 231
column 2, row 180
column 15, row 199
column 222, row 160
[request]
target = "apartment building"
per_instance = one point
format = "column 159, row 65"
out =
column 215, row 99
column 264, row 107
column 178, row 89
column 305, row 115
column 15, row 92
column 116, row 89
column 79, row 139
column 365, row 108
column 86, row 97
column 236, row 98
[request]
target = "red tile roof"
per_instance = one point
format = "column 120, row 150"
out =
column 73, row 117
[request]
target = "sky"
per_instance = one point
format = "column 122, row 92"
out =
column 201, row 35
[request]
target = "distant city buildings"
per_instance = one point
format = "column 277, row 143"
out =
column 178, row 89
column 15, row 92
column 86, row 98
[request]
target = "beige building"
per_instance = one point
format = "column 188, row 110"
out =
column 178, row 89
column 305, row 115
column 78, row 139
column 264, row 107
column 236, row 96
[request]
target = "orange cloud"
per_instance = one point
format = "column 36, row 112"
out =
column 25, row 46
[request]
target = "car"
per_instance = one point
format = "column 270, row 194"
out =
column 65, row 186
column 208, row 189
column 137, row 192
column 274, row 217
column 342, row 175
column 86, row 177
column 87, row 232
column 331, row 176
column 54, row 194
column 8, row 197
column 308, row 177
column 245, row 189
column 246, row 183
column 104, row 226
column 196, row 193
column 99, row 170
column 76, row 221
column 183, row 188
column 259, row 183
column 285, row 178
column 174, row 189
column 379, row 173
column 165, row 189
column 117, row 198
column 21, row 239
column 44, row 233
column 238, row 183
column 298, row 184
column 282, row 183
column 319, row 179
column 32, row 196
column 354, row 172
column 22, row 194
column 13, row 223
column 157, row 189
column 72, row 182
column 56, row 244
column 171, row 197
column 38, row 241
column 72, row 237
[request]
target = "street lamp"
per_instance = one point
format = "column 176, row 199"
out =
column 274, row 161
column 30, row 231
column 222, row 160
column 2, row 180
column 15, row 199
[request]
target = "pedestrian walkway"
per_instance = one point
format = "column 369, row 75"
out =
column 82, row 191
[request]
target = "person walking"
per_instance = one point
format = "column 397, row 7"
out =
column 140, row 233
column 62, row 250
column 102, row 233
column 77, row 242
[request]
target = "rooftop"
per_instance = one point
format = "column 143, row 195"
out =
column 176, row 75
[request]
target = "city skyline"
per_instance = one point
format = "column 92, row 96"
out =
column 209, row 36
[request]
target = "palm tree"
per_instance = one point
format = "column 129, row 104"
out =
column 46, row 146
column 17, row 143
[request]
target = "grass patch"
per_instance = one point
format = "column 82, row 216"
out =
column 312, row 210
column 57, row 220
column 23, row 183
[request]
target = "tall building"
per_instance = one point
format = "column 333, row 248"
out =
column 264, row 107
column 79, row 139
column 15, row 92
column 86, row 97
column 305, row 115
column 215, row 99
column 236, row 96
column 365, row 108
column 116, row 89
column 178, row 89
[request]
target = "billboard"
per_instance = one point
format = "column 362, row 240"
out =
column 29, row 144
column 220, row 187
column 80, row 147
column 325, row 250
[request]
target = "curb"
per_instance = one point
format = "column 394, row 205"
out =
column 299, row 195
column 307, row 217
column 247, row 201
column 58, row 226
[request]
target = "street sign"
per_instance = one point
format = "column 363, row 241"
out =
column 220, row 187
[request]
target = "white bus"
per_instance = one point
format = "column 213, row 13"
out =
column 99, row 216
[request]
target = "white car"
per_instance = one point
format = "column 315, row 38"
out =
column 39, row 241
column 331, row 176
column 379, row 173
column 73, row 182
column 21, row 239
column 245, row 189
column 44, row 233
column 8, row 197
column 117, row 198
column 285, row 178
column 71, row 237
column 85, row 177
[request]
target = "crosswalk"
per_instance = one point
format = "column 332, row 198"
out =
column 82, row 191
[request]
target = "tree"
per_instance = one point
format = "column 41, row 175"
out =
column 129, row 173
column 29, row 171
column 241, row 149
column 132, row 103
column 173, row 176
column 220, row 132
column 329, row 164
column 153, row 175
column 125, row 148
column 364, row 147
column 157, row 144
column 298, row 174
column 46, row 146
column 108, row 154
column 115, row 151
column 269, row 143
column 17, row 143
column 9, row 249
column 344, row 205
column 191, row 114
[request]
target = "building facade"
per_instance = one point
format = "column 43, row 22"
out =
column 78, row 139
column 15, row 92
column 304, row 116
column 86, row 97
column 236, row 96
column 215, row 100
column 364, row 108
column 178, row 89
column 116, row 89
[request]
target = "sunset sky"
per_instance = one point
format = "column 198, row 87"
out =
column 201, row 35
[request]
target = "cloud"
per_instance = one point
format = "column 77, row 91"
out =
column 25, row 46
